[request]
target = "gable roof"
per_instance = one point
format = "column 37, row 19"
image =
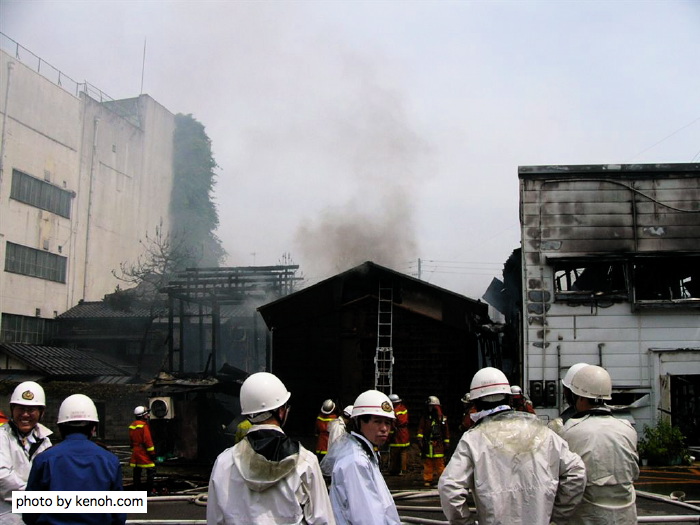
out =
column 363, row 282
column 58, row 362
column 102, row 310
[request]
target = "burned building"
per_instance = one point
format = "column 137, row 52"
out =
column 611, row 276
column 372, row 327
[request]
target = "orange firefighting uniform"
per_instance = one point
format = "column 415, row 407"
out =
column 399, row 439
column 142, row 449
column 322, row 422
column 434, row 439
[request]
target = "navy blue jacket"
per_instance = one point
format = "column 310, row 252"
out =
column 75, row 464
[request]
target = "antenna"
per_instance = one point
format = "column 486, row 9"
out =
column 143, row 64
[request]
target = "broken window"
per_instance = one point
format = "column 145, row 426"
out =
column 667, row 279
column 654, row 281
column 581, row 280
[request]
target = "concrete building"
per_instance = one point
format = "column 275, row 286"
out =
column 611, row 276
column 83, row 179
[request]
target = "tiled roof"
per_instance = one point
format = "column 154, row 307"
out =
column 102, row 310
column 57, row 361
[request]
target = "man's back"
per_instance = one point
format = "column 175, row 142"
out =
column 608, row 447
column 518, row 470
column 75, row 464
column 267, row 478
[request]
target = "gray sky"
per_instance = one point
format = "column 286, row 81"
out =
column 386, row 130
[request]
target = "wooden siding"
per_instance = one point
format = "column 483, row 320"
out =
column 593, row 214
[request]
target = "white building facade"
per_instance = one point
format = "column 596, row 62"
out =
column 611, row 277
column 82, row 181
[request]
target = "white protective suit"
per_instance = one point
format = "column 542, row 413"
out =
column 247, row 488
column 359, row 494
column 518, row 470
column 336, row 429
column 608, row 447
column 15, row 460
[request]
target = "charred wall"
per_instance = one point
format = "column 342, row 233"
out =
column 332, row 356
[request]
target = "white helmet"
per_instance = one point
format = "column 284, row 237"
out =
column 433, row 400
column 466, row 398
column 373, row 402
column 262, row 392
column 141, row 411
column 28, row 393
column 570, row 374
column 394, row 398
column 489, row 383
column 347, row 411
column 77, row 408
column 592, row 382
column 516, row 390
column 328, row 406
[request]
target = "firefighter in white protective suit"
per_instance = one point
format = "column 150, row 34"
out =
column 608, row 447
column 359, row 494
column 267, row 477
column 21, row 439
column 517, row 469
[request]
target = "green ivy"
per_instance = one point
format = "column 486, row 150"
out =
column 192, row 208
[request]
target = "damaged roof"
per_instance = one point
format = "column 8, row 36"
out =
column 363, row 282
column 58, row 362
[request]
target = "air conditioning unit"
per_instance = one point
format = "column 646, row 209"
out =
column 161, row 407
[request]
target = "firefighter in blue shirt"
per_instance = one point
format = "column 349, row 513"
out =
column 76, row 464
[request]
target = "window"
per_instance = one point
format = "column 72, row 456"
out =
column 35, row 263
column 579, row 281
column 667, row 280
column 40, row 194
column 25, row 329
column 647, row 281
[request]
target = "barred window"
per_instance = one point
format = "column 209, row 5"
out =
column 28, row 330
column 35, row 263
column 40, row 194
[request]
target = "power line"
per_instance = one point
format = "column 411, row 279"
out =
column 665, row 138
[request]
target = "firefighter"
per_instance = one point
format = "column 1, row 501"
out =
column 517, row 469
column 520, row 401
column 267, row 477
column 399, row 438
column 338, row 427
column 433, row 440
column 22, row 437
column 76, row 464
column 324, row 418
column 143, row 452
column 359, row 493
column 467, row 412
column 608, row 447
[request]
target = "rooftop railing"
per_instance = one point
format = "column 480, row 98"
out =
column 55, row 75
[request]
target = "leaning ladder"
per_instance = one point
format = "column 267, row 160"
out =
column 384, row 358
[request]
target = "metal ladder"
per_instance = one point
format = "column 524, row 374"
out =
column 384, row 358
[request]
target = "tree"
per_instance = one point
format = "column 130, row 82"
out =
column 164, row 255
column 194, row 217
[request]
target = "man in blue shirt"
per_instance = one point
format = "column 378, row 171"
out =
column 76, row 464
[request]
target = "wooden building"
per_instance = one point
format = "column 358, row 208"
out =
column 324, row 340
